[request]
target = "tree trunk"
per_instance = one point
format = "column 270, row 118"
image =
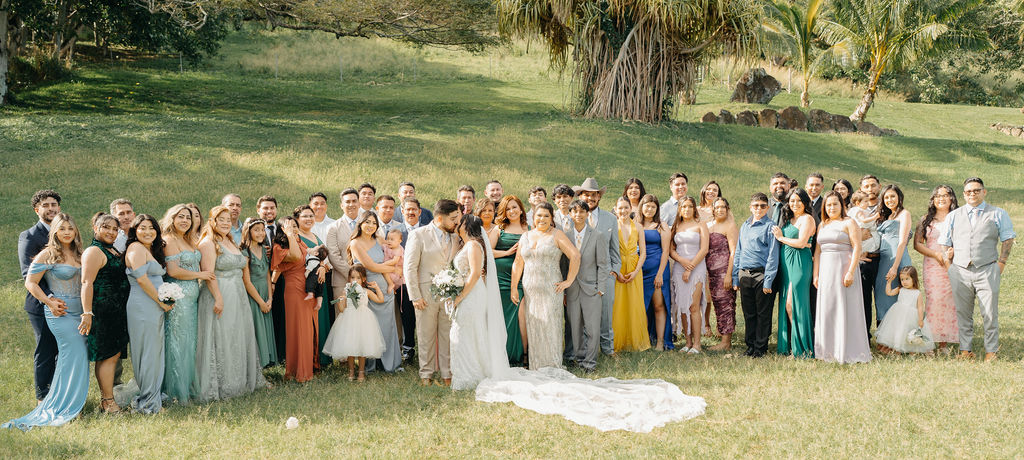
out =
column 60, row 25
column 805, row 96
column 869, row 96
column 4, row 7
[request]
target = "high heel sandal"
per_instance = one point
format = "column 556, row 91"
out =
column 107, row 405
column 362, row 377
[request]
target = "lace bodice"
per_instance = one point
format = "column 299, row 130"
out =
column 188, row 260
column 462, row 259
column 542, row 258
column 229, row 265
column 64, row 280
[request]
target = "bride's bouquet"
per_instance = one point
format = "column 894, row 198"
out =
column 169, row 293
column 446, row 285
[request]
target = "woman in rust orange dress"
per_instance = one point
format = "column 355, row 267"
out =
column 289, row 256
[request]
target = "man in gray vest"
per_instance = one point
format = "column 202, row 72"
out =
column 972, row 234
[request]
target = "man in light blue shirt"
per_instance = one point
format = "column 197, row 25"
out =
column 971, row 236
column 753, row 272
column 677, row 183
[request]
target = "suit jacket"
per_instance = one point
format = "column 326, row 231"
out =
column 608, row 225
column 338, row 236
column 425, row 256
column 404, row 227
column 594, row 262
column 816, row 209
column 30, row 243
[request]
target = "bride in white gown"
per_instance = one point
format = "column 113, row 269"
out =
column 479, row 360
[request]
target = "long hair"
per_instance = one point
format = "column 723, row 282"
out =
column 157, row 247
column 474, row 230
column 54, row 249
column 167, row 224
column 631, row 181
column 197, row 227
column 910, row 271
column 648, row 198
column 929, row 216
column 361, row 271
column 359, row 230
column 883, row 211
column 787, row 213
column 247, row 241
column 210, row 229
column 824, row 201
column 501, row 214
column 679, row 212
column 849, row 191
column 280, row 238
column 704, row 191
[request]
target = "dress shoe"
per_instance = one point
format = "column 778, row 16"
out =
column 424, row 382
column 989, row 357
column 966, row 354
column 447, row 382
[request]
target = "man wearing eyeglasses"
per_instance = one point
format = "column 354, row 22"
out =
column 753, row 273
column 972, row 234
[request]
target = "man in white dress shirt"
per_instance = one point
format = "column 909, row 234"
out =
column 537, row 196
column 318, row 202
column 562, row 196
column 367, row 197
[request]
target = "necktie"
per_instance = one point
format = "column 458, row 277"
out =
column 972, row 216
column 593, row 219
column 351, row 225
column 579, row 240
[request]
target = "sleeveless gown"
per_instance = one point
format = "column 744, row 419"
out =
column 70, row 384
column 385, row 313
column 324, row 315
column 180, row 332
column 301, row 340
column 545, row 318
column 355, row 332
column 687, row 246
column 839, row 332
column 263, row 323
column 938, row 302
column 797, row 269
column 470, row 349
column 146, row 331
column 227, row 358
column 629, row 321
column 514, row 340
column 109, row 334
column 900, row 320
column 889, row 233
column 717, row 262
column 652, row 239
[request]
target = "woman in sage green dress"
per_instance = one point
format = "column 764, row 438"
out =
column 304, row 217
column 257, row 284
column 182, row 259
column 511, row 222
column 796, row 330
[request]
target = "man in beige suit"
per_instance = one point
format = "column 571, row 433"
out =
column 338, row 235
column 428, row 251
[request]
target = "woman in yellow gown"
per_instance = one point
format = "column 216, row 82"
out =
column 629, row 319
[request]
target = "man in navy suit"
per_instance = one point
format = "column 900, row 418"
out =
column 46, row 204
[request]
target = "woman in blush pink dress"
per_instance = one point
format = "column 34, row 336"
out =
column 939, row 308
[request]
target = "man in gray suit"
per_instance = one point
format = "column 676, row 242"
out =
column 583, row 298
column 606, row 224
column 972, row 233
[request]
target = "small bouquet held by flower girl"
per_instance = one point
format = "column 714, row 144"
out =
column 352, row 294
column 447, row 285
column 169, row 293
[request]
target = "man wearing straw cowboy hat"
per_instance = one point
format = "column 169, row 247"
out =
column 606, row 223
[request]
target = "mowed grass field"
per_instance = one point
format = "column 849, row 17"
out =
column 140, row 129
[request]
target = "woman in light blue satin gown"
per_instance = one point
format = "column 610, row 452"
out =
column 61, row 266
column 893, row 253
column 366, row 250
column 178, row 228
column 144, row 259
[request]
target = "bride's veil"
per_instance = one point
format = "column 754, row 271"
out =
column 496, row 333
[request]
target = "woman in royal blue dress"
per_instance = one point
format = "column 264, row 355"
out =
column 60, row 264
column 657, row 279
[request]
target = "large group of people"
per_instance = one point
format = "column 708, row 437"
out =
column 552, row 286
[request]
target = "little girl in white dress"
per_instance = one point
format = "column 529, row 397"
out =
column 356, row 334
column 905, row 316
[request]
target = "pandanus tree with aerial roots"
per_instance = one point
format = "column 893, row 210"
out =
column 632, row 59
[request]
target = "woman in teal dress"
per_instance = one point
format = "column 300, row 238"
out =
column 144, row 259
column 182, row 258
column 796, row 330
column 894, row 229
column 227, row 357
column 60, row 265
column 258, row 286
column 304, row 217
column 512, row 224
column 105, row 293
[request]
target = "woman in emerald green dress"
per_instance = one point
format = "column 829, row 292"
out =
column 511, row 222
column 796, row 332
column 258, row 286
column 304, row 216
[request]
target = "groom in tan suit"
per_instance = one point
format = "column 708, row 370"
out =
column 428, row 251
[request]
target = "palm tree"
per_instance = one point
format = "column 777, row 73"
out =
column 630, row 59
column 792, row 30
column 896, row 33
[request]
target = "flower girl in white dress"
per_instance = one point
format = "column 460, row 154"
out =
column 904, row 328
column 356, row 334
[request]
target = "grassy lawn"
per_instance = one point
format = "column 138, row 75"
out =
column 142, row 130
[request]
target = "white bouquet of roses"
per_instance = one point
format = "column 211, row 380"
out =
column 446, row 285
column 169, row 293
column 916, row 336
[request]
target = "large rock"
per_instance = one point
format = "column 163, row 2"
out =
column 793, row 119
column 820, row 121
column 709, row 117
column 768, row 118
column 843, row 124
column 756, row 87
column 725, row 117
column 866, row 127
column 746, row 118
column 890, row 132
